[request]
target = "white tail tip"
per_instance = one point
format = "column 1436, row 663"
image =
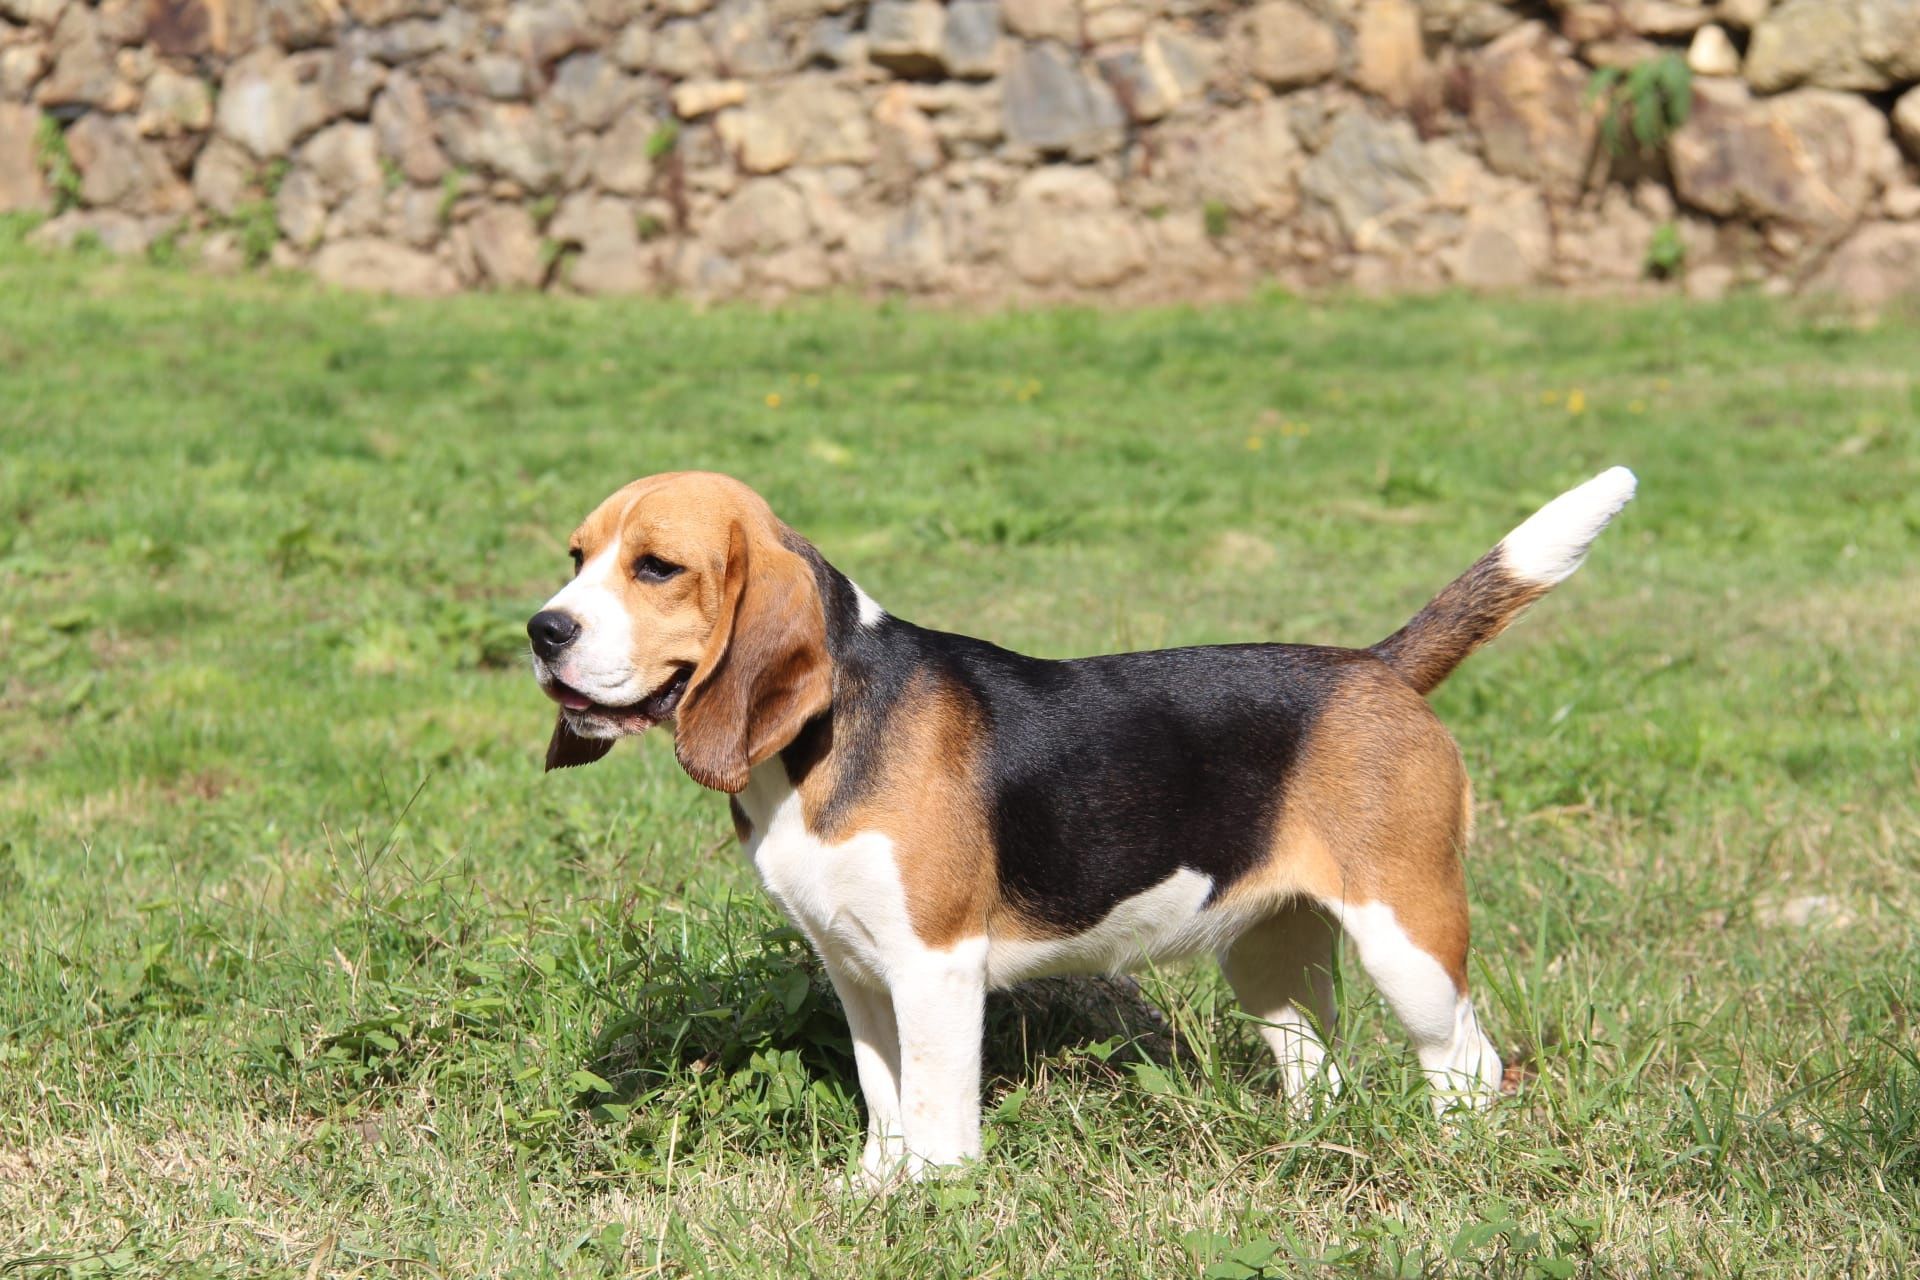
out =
column 1550, row 545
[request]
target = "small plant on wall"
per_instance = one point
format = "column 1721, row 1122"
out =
column 1641, row 108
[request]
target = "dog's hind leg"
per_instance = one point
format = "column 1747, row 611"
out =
column 1281, row 970
column 1419, row 964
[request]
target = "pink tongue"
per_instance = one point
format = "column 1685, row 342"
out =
column 574, row 702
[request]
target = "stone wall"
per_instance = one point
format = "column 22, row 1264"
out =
column 977, row 149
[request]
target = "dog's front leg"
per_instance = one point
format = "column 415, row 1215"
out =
column 939, row 999
column 876, row 1057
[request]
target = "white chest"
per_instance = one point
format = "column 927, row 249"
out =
column 846, row 896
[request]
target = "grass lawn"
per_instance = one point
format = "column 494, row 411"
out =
column 306, row 969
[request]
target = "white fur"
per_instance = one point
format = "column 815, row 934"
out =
column 870, row 610
column 1552, row 542
column 600, row 662
column 1461, row 1063
column 1167, row 922
column 915, row 1012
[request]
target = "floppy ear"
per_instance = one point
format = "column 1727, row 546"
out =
column 765, row 672
column 567, row 748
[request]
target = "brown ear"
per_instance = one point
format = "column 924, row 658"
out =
column 765, row 672
column 567, row 748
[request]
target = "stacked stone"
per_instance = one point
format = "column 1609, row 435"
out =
column 974, row 149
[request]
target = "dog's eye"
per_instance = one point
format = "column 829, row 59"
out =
column 654, row 569
column 579, row 558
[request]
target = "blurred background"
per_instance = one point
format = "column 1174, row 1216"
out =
column 984, row 150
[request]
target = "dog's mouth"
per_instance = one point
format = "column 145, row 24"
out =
column 634, row 717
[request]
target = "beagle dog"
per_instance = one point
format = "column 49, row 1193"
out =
column 940, row 816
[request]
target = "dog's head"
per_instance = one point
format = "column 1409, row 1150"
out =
column 687, row 605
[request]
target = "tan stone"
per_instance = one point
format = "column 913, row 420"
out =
column 368, row 265
column 119, row 168
column 1287, row 46
column 404, row 124
column 765, row 214
column 174, row 104
column 1247, row 161
column 699, row 98
column 22, row 187
column 1666, row 18
column 1390, row 58
column 1906, row 121
column 1712, row 53
column 1812, row 158
column 506, row 245
column 1043, row 19
column 21, row 66
column 620, row 161
column 1863, row 45
column 223, row 176
column 1531, row 109
column 1878, row 264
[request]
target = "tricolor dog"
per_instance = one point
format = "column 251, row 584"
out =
column 941, row 816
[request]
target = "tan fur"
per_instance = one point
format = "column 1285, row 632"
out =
column 1375, row 811
column 928, row 802
column 745, row 615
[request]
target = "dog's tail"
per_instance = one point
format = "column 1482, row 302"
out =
column 1529, row 562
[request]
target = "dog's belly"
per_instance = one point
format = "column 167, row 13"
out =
column 847, row 898
column 1170, row 921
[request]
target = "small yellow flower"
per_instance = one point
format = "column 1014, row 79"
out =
column 813, row 380
column 1576, row 401
column 1549, row 396
column 1255, row 444
column 773, row 399
column 1636, row 406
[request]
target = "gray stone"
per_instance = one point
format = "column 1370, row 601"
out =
column 378, row 13
column 417, row 215
column 1368, row 169
column 403, row 123
column 1878, row 264
column 265, row 106
column 506, row 245
column 83, row 73
column 1906, row 121
column 681, row 50
column 508, row 140
column 300, row 209
column 1467, row 23
column 291, row 24
column 1168, row 68
column 834, row 41
column 611, row 259
column 907, row 145
column 117, row 167
column 349, row 79
column 633, row 47
column 367, row 265
column 1052, row 105
column 1865, row 45
column 1811, row 158
column 1069, row 229
column 1287, row 46
column 905, row 36
column 620, row 162
column 765, row 214
column 747, row 42
column 174, row 104
column 591, row 92
column 970, row 46
column 904, row 248
column 1246, row 161
column 500, row 76
column 22, row 187
column 345, row 158
column 223, row 176
column 544, row 31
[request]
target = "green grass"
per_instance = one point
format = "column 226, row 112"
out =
column 306, row 969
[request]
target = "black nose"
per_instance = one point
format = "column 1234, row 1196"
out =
column 551, row 632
